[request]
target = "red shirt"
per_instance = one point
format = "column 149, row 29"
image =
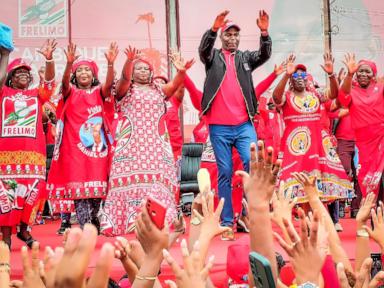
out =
column 228, row 106
column 366, row 106
column 344, row 129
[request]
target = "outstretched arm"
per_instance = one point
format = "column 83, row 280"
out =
column 280, row 88
column 208, row 41
column 47, row 51
column 71, row 57
column 3, row 65
column 195, row 94
column 110, row 55
column 328, row 68
column 126, row 75
column 258, row 57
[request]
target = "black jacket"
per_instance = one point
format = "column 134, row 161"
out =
column 215, row 68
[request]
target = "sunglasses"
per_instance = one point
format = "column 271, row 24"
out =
column 297, row 75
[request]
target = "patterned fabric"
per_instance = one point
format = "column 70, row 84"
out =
column 87, row 210
column 22, row 152
column 307, row 147
column 142, row 164
column 17, row 199
column 80, row 158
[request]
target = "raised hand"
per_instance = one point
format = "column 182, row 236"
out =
column 308, row 183
column 263, row 21
column 112, row 53
column 365, row 208
column 210, row 219
column 179, row 62
column 132, row 53
column 282, row 205
column 362, row 277
column 328, row 63
column 150, row 237
column 281, row 68
column 290, row 68
column 192, row 275
column 48, row 48
column 70, row 53
column 377, row 233
column 220, row 21
column 307, row 260
column 259, row 184
column 350, row 62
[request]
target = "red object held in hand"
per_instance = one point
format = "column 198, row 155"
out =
column 156, row 212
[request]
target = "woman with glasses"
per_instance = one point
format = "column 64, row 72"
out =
column 306, row 146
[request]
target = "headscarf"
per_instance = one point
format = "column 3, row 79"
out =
column 86, row 61
column 370, row 64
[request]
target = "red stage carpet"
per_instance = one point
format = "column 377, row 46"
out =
column 46, row 235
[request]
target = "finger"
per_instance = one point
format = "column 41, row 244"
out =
column 380, row 213
column 100, row 276
column 303, row 228
column 219, row 208
column 369, row 230
column 72, row 240
column 35, row 256
column 260, row 153
column 170, row 283
column 185, row 254
column 314, row 229
column 85, row 247
column 294, row 237
column 269, row 159
column 377, row 280
column 341, row 275
column 204, row 206
column 198, row 215
column 283, row 244
column 364, row 272
column 205, row 272
column 374, row 218
column 25, row 259
column 171, row 262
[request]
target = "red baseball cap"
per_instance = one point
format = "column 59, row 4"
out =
column 301, row 67
column 17, row 63
column 228, row 25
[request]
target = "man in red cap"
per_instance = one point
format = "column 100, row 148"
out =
column 229, row 100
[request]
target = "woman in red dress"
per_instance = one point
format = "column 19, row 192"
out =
column 143, row 163
column 306, row 146
column 79, row 166
column 22, row 142
column 365, row 99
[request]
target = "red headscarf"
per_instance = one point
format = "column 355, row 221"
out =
column 146, row 62
column 89, row 62
column 370, row 64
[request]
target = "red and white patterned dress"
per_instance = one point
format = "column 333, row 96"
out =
column 307, row 147
column 143, row 162
column 22, row 152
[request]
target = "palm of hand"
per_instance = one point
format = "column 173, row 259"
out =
column 263, row 23
column 290, row 68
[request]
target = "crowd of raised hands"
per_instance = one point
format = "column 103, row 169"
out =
column 315, row 251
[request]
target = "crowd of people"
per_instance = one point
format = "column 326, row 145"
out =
column 273, row 157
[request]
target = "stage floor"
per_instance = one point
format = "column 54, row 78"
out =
column 46, row 235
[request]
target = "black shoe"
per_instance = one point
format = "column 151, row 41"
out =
column 28, row 240
column 64, row 226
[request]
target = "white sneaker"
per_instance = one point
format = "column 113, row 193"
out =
column 338, row 227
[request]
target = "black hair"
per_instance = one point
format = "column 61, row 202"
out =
column 95, row 81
